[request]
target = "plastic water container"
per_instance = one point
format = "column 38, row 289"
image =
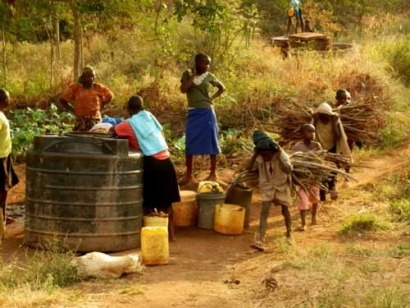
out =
column 185, row 210
column 206, row 208
column 209, row 186
column 240, row 195
column 154, row 245
column 229, row 219
column 155, row 221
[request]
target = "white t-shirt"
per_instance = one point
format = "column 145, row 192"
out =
column 295, row 4
column 5, row 139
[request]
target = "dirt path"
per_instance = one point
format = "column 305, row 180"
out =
column 211, row 270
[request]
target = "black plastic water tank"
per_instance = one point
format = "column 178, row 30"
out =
column 85, row 192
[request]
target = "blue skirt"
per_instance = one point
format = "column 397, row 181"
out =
column 202, row 132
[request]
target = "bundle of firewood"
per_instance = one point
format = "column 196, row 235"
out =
column 362, row 121
column 310, row 169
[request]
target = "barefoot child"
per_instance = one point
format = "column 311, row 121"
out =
column 274, row 170
column 201, row 128
column 307, row 198
column 8, row 177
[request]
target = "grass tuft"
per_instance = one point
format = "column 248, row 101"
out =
column 400, row 209
column 361, row 223
column 45, row 270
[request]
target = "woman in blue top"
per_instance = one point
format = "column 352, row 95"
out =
column 201, row 128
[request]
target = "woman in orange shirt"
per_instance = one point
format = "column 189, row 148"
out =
column 85, row 99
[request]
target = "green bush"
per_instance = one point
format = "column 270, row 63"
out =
column 398, row 57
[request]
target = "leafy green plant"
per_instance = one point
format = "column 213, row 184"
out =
column 233, row 141
column 27, row 123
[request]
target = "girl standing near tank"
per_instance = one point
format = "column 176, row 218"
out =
column 201, row 128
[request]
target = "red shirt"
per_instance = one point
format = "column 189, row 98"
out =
column 125, row 130
column 88, row 102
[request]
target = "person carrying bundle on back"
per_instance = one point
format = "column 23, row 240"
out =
column 343, row 99
column 274, row 169
column 331, row 136
column 310, row 197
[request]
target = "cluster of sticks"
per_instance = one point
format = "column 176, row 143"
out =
column 310, row 169
column 361, row 121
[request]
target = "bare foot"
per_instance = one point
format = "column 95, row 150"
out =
column 212, row 177
column 289, row 239
column 301, row 229
column 314, row 222
column 334, row 195
column 187, row 180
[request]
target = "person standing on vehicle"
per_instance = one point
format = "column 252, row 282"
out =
column 295, row 10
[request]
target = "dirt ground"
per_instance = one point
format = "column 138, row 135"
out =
column 211, row 270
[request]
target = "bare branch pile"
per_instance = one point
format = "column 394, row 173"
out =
column 310, row 169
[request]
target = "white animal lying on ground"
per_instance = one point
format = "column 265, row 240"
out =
column 101, row 265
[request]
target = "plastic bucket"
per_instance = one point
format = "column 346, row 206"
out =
column 206, row 208
column 240, row 195
column 229, row 219
column 185, row 210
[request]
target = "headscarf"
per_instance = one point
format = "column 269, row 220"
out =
column 263, row 142
column 325, row 108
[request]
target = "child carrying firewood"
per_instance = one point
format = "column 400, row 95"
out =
column 330, row 134
column 343, row 98
column 307, row 198
column 274, row 169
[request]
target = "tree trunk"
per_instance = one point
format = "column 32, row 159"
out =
column 56, row 28
column 52, row 64
column 81, row 49
column 4, row 57
column 77, row 40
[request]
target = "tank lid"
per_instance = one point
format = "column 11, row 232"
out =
column 93, row 145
